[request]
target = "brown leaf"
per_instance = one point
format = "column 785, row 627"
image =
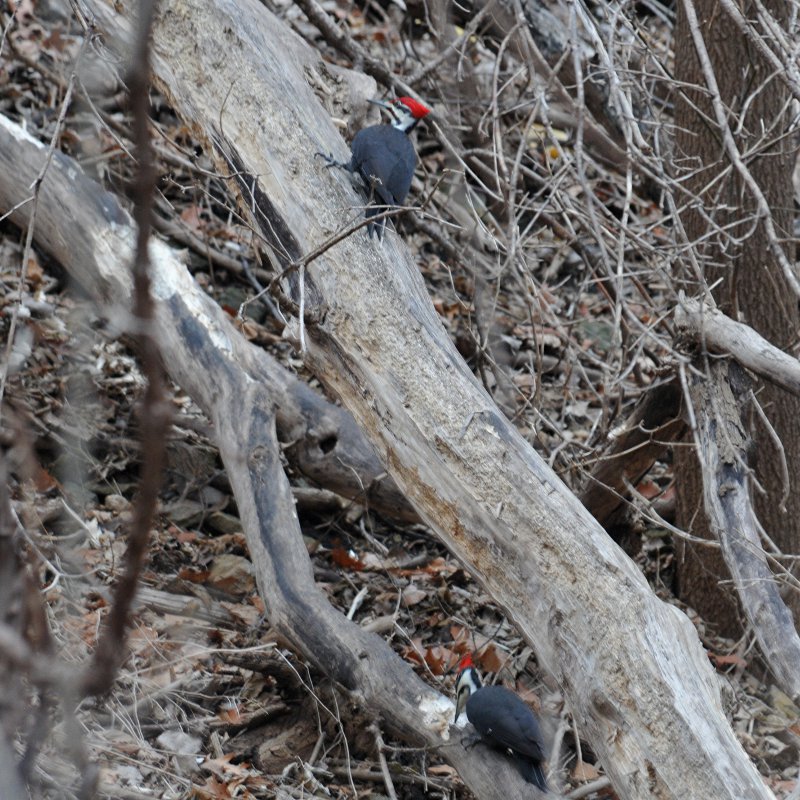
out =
column 491, row 659
column 460, row 636
column 34, row 272
column 439, row 659
column 585, row 772
column 346, row 559
column 726, row 659
column 43, row 479
column 193, row 574
column 232, row 715
column 414, row 651
column 212, row 789
column 444, row 770
column 648, row 489
column 191, row 217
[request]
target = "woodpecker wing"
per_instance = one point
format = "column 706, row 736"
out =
column 385, row 159
column 502, row 718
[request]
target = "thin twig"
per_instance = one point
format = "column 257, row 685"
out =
column 379, row 747
column 109, row 654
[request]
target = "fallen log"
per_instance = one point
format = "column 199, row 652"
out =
column 86, row 230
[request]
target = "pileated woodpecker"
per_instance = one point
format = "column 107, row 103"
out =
column 384, row 157
column 503, row 720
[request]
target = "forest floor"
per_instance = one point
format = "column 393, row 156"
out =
column 210, row 703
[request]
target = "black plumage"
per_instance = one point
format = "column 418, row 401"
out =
column 504, row 721
column 384, row 158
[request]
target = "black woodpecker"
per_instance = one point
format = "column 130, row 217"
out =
column 503, row 720
column 384, row 157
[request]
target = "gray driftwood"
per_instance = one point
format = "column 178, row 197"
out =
column 719, row 393
column 716, row 332
column 632, row 667
column 87, row 231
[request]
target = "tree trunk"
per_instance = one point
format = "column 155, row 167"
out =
column 752, row 287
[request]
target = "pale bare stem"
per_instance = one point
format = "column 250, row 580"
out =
column 779, row 449
column 468, row 171
column 589, row 199
column 617, row 93
column 687, row 399
column 784, row 65
column 644, row 506
column 110, row 651
column 379, row 749
column 7, row 28
column 763, row 210
column 457, row 45
column 773, row 30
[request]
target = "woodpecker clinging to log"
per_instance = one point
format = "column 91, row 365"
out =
column 503, row 721
column 384, row 157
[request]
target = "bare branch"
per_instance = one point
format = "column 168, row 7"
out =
column 716, row 332
column 154, row 417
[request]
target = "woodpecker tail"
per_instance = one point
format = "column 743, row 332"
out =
column 532, row 772
column 377, row 228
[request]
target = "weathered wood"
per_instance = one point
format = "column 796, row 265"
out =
column 320, row 439
column 91, row 235
column 631, row 666
column 716, row 332
column 722, row 445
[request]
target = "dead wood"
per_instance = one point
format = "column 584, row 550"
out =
column 718, row 396
column 92, row 237
column 320, row 439
column 109, row 652
column 635, row 446
column 632, row 667
column 716, row 332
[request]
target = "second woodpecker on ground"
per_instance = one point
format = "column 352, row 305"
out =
column 503, row 721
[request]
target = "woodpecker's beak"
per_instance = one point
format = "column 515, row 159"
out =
column 385, row 106
column 381, row 103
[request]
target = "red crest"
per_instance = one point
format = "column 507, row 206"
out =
column 417, row 110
